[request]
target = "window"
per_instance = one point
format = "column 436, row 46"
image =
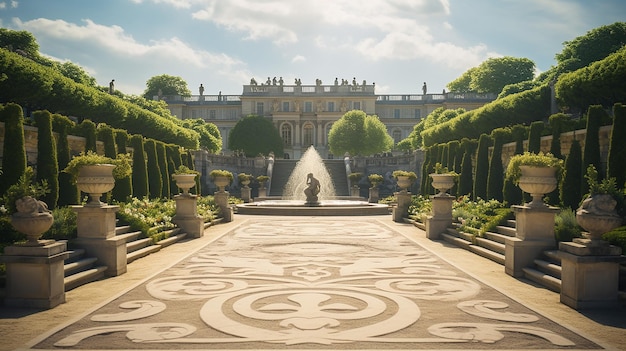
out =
column 331, row 106
column 308, row 135
column 286, row 106
column 397, row 136
column 418, row 113
column 285, row 132
column 259, row 108
column 308, row 106
column 396, row 113
column 356, row 105
column 211, row 114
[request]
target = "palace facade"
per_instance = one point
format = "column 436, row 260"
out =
column 304, row 114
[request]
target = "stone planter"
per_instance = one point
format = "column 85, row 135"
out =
column 597, row 216
column 404, row 182
column 32, row 218
column 221, row 182
column 245, row 183
column 443, row 183
column 537, row 181
column 185, row 182
column 95, row 180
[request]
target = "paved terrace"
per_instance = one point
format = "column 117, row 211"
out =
column 321, row 283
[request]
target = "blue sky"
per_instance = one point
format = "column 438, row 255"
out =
column 398, row 44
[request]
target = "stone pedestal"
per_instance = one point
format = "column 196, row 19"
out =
column 355, row 191
column 221, row 199
column 187, row 217
column 245, row 194
column 534, row 234
column 440, row 217
column 373, row 195
column 589, row 275
column 96, row 234
column 262, row 192
column 401, row 210
column 35, row 274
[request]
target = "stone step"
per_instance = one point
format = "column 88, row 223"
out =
column 132, row 256
column 486, row 253
column 74, row 255
column 542, row 278
column 138, row 244
column 130, row 236
column 172, row 239
column 506, row 230
column 456, row 241
column 122, row 229
column 510, row 223
column 84, row 277
column 548, row 268
column 491, row 245
column 552, row 256
column 497, row 237
column 78, row 265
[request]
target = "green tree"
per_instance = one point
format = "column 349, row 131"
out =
column 47, row 164
column 511, row 192
column 616, row 161
column 75, row 73
column 68, row 193
column 595, row 45
column 155, row 184
column 22, row 42
column 140, row 168
column 438, row 116
column 591, row 151
column 88, row 130
column 482, row 168
column 557, row 122
column 123, row 189
column 572, row 182
column 163, row 166
column 495, row 180
column 174, row 160
column 427, row 168
column 493, row 75
column 534, row 137
column 255, row 135
column 168, row 85
column 105, row 135
column 359, row 134
column 210, row 137
column 14, row 154
column 466, row 182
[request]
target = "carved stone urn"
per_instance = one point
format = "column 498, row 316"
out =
column 185, row 182
column 221, row 182
column 32, row 218
column 597, row 215
column 537, row 181
column 95, row 180
column 442, row 182
column 404, row 182
column 245, row 182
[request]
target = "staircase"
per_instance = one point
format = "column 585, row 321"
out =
column 80, row 270
column 546, row 270
column 490, row 245
column 283, row 169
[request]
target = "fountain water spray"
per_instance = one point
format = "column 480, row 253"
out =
column 310, row 162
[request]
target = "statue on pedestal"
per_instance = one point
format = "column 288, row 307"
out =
column 311, row 191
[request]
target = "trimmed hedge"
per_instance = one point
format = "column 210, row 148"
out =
column 68, row 192
column 14, row 160
column 616, row 163
column 140, row 168
column 482, row 168
column 47, row 164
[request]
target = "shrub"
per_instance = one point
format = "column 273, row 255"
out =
column 221, row 173
column 565, row 226
column 68, row 193
column 14, row 159
column 540, row 159
column 155, row 184
column 571, row 184
column 123, row 189
column 47, row 164
column 482, row 168
column 400, row 173
column 122, row 164
column 140, row 168
column 616, row 237
column 616, row 167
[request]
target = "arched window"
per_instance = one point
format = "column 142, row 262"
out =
column 285, row 132
column 307, row 138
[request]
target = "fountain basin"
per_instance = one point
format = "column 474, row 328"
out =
column 327, row 207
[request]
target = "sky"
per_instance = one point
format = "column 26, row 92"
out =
column 222, row 44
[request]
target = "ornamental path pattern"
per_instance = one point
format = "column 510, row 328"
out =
column 317, row 283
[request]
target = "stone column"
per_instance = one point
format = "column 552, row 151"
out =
column 35, row 276
column 221, row 199
column 187, row 217
column 589, row 274
column 440, row 217
column 245, row 194
column 373, row 195
column 96, row 234
column 534, row 228
column 402, row 208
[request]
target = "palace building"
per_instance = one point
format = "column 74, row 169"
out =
column 304, row 114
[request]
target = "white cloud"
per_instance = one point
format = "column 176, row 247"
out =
column 14, row 4
column 298, row 58
column 3, row 5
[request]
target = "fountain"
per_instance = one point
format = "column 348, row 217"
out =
column 299, row 200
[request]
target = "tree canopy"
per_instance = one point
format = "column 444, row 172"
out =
column 595, row 45
column 494, row 74
column 255, row 135
column 168, row 85
column 359, row 134
column 438, row 116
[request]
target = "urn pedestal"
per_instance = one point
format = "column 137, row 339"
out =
column 537, row 181
column 187, row 217
column 185, row 182
column 95, row 180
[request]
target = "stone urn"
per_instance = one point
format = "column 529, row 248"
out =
column 32, row 218
column 537, row 181
column 442, row 182
column 597, row 215
column 245, row 182
column 95, row 180
column 221, row 182
column 185, row 182
column 404, row 182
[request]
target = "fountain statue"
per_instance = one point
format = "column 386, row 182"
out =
column 311, row 191
column 310, row 162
